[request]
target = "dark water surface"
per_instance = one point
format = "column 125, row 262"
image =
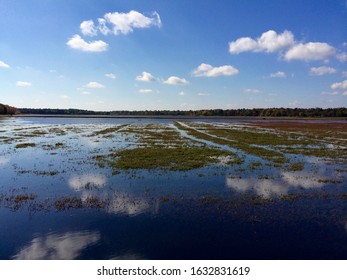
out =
column 214, row 212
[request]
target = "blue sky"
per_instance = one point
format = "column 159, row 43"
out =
column 173, row 55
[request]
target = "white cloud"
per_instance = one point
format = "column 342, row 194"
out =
column 64, row 97
column 173, row 80
column 323, row 70
column 76, row 42
column 330, row 93
column 341, row 85
column 145, row 77
column 252, row 90
column 88, row 28
column 203, row 94
column 94, row 85
column 344, row 93
column 268, row 42
column 111, row 76
column 271, row 41
column 85, row 92
column 124, row 23
column 182, row 93
column 278, row 74
column 310, row 51
column 23, row 84
column 4, row 65
column 145, row 90
column 207, row 70
column 342, row 57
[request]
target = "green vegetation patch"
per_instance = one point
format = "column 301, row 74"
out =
column 109, row 130
column 25, row 145
column 236, row 139
column 297, row 166
column 175, row 159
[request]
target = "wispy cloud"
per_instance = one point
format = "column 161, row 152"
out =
column 173, row 80
column 23, row 84
column 76, row 42
column 278, row 74
column 146, row 90
column 207, row 70
column 182, row 93
column 94, row 85
column 145, row 77
column 323, row 70
column 340, row 85
column 4, row 65
column 111, row 76
column 252, row 90
column 203, row 94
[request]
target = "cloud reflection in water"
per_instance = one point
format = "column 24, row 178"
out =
column 281, row 186
column 66, row 246
column 3, row 161
column 80, row 182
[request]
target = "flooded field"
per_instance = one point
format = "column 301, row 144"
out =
column 75, row 188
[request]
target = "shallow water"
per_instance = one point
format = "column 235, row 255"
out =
column 58, row 202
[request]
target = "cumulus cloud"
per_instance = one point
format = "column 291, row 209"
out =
column 207, row 70
column 173, row 80
column 4, row 65
column 341, row 85
column 88, row 28
column 268, row 42
column 271, row 42
column 23, row 84
column 94, row 85
column 182, row 93
column 310, row 51
column 76, row 42
column 145, row 90
column 120, row 23
column 145, row 77
column 278, row 74
column 124, row 23
column 323, row 70
column 111, row 76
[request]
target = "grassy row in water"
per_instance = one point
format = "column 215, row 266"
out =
column 236, row 143
column 169, row 158
column 162, row 147
column 272, row 143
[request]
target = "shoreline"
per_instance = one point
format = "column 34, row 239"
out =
column 171, row 117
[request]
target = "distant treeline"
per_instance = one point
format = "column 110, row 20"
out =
column 8, row 110
column 269, row 112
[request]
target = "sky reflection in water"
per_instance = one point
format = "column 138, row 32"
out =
column 151, row 214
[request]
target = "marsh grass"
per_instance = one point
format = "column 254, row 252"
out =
column 174, row 159
column 25, row 145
